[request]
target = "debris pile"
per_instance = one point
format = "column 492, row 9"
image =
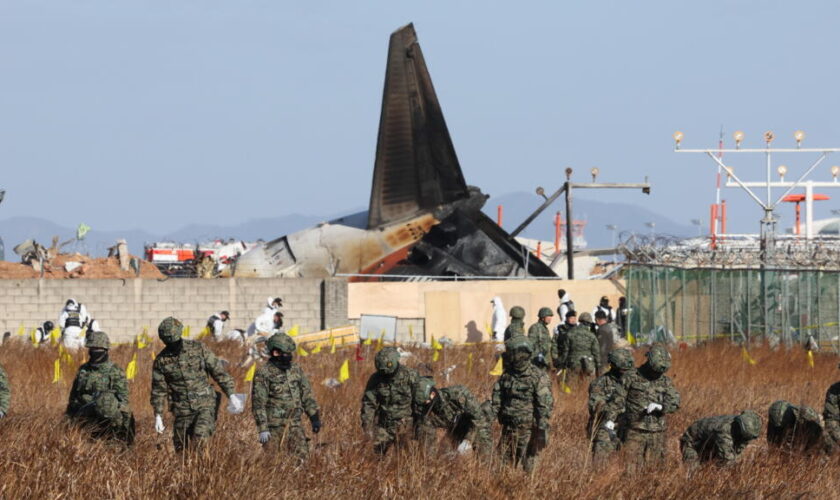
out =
column 64, row 266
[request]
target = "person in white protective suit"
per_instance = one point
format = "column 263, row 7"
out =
column 216, row 325
column 264, row 324
column 499, row 322
column 73, row 320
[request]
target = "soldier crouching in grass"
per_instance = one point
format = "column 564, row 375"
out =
column 99, row 397
column 280, row 395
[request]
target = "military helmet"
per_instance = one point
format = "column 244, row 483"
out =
column 516, row 312
column 423, row 389
column 520, row 343
column 621, row 358
column 387, row 360
column 281, row 342
column 545, row 312
column 98, row 340
column 777, row 412
column 585, row 318
column 170, row 330
column 659, row 358
column 749, row 424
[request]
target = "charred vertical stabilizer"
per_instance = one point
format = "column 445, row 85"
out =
column 416, row 168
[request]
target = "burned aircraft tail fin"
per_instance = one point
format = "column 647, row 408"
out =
column 416, row 168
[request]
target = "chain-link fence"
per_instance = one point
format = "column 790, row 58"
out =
column 694, row 305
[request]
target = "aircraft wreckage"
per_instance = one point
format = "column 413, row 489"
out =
column 423, row 219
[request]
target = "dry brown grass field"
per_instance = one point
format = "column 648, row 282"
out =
column 42, row 457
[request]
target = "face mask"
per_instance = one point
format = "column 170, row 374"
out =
column 96, row 356
column 284, row 359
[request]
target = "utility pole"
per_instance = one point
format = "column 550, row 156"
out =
column 567, row 189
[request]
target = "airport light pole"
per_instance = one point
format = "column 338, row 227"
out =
column 769, row 203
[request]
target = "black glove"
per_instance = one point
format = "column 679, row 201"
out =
column 540, row 361
column 315, row 420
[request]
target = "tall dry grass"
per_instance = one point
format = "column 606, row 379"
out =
column 41, row 457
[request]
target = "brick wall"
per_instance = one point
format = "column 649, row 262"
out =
column 124, row 307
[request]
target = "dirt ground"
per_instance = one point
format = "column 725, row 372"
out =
column 42, row 457
column 92, row 268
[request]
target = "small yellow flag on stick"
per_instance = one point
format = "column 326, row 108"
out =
column 21, row 331
column 301, row 351
column 811, row 358
column 380, row 340
column 57, row 371
column 131, row 369
column 631, row 339
column 249, row 375
column 33, row 336
column 332, row 343
column 293, row 331
column 498, row 369
column 204, row 332
column 410, row 331
column 565, row 387
column 316, row 350
column 55, row 336
column 437, row 346
column 746, row 355
column 186, row 332
column 344, row 371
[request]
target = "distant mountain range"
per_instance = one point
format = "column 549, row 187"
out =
column 517, row 206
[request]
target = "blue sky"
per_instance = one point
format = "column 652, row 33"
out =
column 157, row 114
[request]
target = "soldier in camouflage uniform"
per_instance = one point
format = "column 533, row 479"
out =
column 545, row 351
column 5, row 393
column 179, row 375
column 794, row 428
column 522, row 402
column 607, row 395
column 831, row 416
column 456, row 410
column 280, row 395
column 99, row 397
column 578, row 350
column 517, row 323
column 651, row 396
column 721, row 438
column 389, row 412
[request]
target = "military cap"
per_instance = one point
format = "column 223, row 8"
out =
column 387, row 360
column 621, row 358
column 281, row 342
column 97, row 340
column 749, row 423
column 545, row 312
column 517, row 312
column 170, row 330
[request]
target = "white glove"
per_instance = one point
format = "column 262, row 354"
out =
column 500, row 347
column 264, row 437
column 159, row 427
column 610, row 425
column 236, row 403
column 464, row 448
column 652, row 407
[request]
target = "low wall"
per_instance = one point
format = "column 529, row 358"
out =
column 461, row 310
column 124, row 307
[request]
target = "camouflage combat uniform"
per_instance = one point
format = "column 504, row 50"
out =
column 578, row 351
column 607, row 396
column 795, row 428
column 720, row 438
column 516, row 328
column 279, row 396
column 522, row 401
column 456, row 410
column 831, row 416
column 388, row 411
column 179, row 374
column 545, row 351
column 99, row 397
column 5, row 392
column 643, row 430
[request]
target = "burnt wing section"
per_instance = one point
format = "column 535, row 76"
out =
column 468, row 243
column 416, row 168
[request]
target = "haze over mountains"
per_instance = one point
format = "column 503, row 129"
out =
column 517, row 206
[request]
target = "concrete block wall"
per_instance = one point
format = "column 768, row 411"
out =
column 124, row 307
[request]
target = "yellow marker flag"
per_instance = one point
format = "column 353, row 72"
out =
column 204, row 332
column 293, row 331
column 631, row 339
column 498, row 369
column 301, row 351
column 33, row 337
column 380, row 340
column 141, row 342
column 21, row 331
column 57, row 371
column 565, row 388
column 410, row 331
column 811, row 359
column 131, row 369
column 55, row 336
column 437, row 347
column 249, row 375
column 316, row 350
column 344, row 371
column 332, row 343
column 367, row 341
column 746, row 355
column 186, row 332
column 469, row 363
